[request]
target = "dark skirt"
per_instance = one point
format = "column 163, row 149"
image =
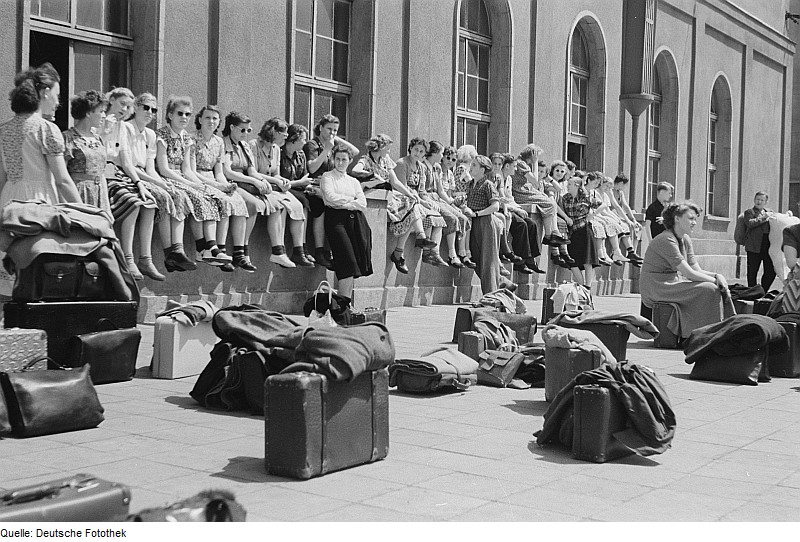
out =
column 315, row 206
column 350, row 238
column 581, row 248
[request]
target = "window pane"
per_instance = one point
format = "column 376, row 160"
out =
column 483, row 96
column 117, row 16
column 575, row 119
column 472, row 59
column 579, row 58
column 302, row 53
column 656, row 82
column 471, row 133
column 325, row 18
column 483, row 64
column 462, row 14
column 340, row 59
column 583, row 84
column 341, row 21
column 324, row 58
column 90, row 13
column 582, row 123
column 712, row 153
column 459, row 131
column 461, row 94
column 654, row 142
column 322, row 103
column 462, row 55
column 339, row 109
column 88, row 64
column 472, row 93
column 115, row 69
column 305, row 14
column 302, row 105
column 481, row 144
column 473, row 14
column 54, row 9
column 483, row 21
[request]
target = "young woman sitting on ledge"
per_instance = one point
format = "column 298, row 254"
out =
column 702, row 297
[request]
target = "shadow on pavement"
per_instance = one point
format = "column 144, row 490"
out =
column 685, row 376
column 555, row 453
column 248, row 469
column 443, row 392
column 188, row 403
column 529, row 408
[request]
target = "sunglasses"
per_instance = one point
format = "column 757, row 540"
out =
column 245, row 130
column 147, row 108
column 184, row 113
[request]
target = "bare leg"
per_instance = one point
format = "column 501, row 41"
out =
column 589, row 272
column 319, row 231
column 238, row 230
column 577, row 276
column 145, row 231
column 249, row 225
column 222, row 231
column 126, row 229
column 345, row 287
column 451, row 244
column 296, row 231
column 275, row 225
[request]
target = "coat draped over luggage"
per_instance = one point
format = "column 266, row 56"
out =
column 735, row 335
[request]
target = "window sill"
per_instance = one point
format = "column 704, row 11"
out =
column 717, row 219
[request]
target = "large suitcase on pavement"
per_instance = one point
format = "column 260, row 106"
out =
column 314, row 425
column 78, row 498
column 787, row 364
column 662, row 312
column 180, row 350
column 597, row 416
column 62, row 320
column 548, row 308
column 524, row 325
column 20, row 347
column 563, row 364
column 613, row 336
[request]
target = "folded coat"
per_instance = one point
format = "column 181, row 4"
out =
column 634, row 323
column 735, row 335
column 651, row 421
column 561, row 337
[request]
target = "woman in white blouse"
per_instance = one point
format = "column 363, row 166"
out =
column 349, row 235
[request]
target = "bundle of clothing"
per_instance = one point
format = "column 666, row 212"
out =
column 256, row 343
column 562, row 337
column 736, row 335
column 635, row 324
column 650, row 423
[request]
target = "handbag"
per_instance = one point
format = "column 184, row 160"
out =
column 249, row 188
column 441, row 368
column 325, row 307
column 61, row 277
column 111, row 354
column 498, row 368
column 48, row 402
column 207, row 506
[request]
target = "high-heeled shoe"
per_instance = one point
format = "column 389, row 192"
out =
column 399, row 263
column 132, row 269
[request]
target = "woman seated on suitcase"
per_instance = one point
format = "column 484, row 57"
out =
column 702, row 297
column 349, row 235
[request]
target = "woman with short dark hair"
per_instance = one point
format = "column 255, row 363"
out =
column 32, row 165
column 701, row 297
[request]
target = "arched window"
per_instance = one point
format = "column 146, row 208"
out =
column 472, row 72
column 321, row 61
column 654, row 139
column 719, row 150
column 579, row 73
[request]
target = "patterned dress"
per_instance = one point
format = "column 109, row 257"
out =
column 239, row 158
column 174, row 203
column 415, row 177
column 268, row 162
column 207, row 154
column 452, row 215
column 25, row 143
column 204, row 205
column 123, row 192
column 401, row 210
column 448, row 181
column 525, row 191
column 86, row 164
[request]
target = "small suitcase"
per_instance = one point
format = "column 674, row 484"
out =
column 19, row 347
column 613, row 336
column 180, row 350
column 662, row 312
column 524, row 325
column 562, row 365
column 743, row 306
column 471, row 344
column 598, row 414
column 370, row 314
column 761, row 306
column 78, row 498
column 548, row 308
column 314, row 425
column 62, row 320
column 787, row 364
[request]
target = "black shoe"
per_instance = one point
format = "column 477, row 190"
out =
column 566, row 259
column 244, row 263
column 531, row 264
column 511, row 257
column 322, row 259
column 468, row 263
column 227, row 268
column 399, row 263
column 522, row 268
column 424, row 242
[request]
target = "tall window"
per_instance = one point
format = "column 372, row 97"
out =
column 719, row 150
column 472, row 85
column 579, row 72
column 322, row 61
column 654, row 141
column 89, row 42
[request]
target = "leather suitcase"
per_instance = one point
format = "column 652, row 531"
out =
column 370, row 314
column 19, row 346
column 613, row 336
column 78, row 498
column 661, row 315
column 180, row 350
column 562, row 365
column 748, row 368
column 62, row 320
column 743, row 306
column 314, row 425
column 548, row 309
column 787, row 364
column 598, row 414
column 471, row 344
column 761, row 306
column 524, row 325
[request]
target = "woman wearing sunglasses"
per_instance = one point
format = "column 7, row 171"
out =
column 173, row 160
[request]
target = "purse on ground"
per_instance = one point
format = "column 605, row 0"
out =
column 498, row 368
column 111, row 354
column 47, row 402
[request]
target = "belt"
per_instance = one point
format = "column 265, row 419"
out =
column 86, row 177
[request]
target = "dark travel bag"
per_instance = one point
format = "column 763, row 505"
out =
column 598, row 414
column 524, row 325
column 662, row 312
column 613, row 336
column 748, row 368
column 314, row 425
column 77, row 498
column 548, row 308
column 787, row 364
column 61, row 277
column 562, row 365
column 110, row 354
column 63, row 320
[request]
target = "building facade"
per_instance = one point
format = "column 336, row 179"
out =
column 495, row 73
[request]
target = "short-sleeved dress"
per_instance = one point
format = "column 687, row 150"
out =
column 123, row 192
column 524, row 193
column 415, row 176
column 602, row 225
column 172, row 204
column 207, row 154
column 401, row 210
column 453, row 216
column 86, row 164
column 699, row 303
column 204, row 205
column 239, row 158
column 25, row 143
column 295, row 168
column 268, row 162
